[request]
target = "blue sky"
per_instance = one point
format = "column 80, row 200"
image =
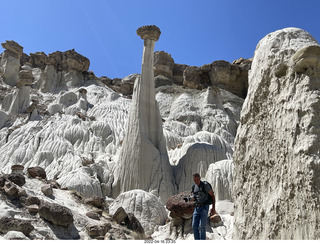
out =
column 194, row 32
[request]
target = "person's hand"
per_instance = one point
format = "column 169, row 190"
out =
column 212, row 211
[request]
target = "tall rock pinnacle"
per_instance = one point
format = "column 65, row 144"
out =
column 143, row 162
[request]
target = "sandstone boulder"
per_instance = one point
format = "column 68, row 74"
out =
column 17, row 179
column 98, row 230
column 11, row 224
column 37, row 171
column 95, row 201
column 178, row 207
column 56, row 214
column 11, row 189
column 215, row 220
column 32, row 201
column 93, row 215
column 120, row 215
column 47, row 190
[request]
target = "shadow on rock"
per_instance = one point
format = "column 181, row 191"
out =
column 65, row 233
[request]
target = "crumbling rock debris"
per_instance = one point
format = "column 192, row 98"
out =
column 95, row 201
column 98, row 230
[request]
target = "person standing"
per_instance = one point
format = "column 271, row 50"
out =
column 203, row 196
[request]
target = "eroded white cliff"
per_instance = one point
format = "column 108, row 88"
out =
column 76, row 130
column 276, row 159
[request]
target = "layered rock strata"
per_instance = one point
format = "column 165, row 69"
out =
column 277, row 158
column 232, row 77
column 143, row 162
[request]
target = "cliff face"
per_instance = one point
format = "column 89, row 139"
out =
column 57, row 115
column 91, row 137
column 232, row 77
column 277, row 158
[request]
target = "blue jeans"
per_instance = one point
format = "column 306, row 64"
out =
column 199, row 221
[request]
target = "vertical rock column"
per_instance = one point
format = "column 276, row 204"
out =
column 277, row 154
column 10, row 62
column 21, row 80
column 143, row 162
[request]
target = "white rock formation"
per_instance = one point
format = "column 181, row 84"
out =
column 276, row 159
column 145, row 206
column 220, row 176
column 76, row 133
column 3, row 118
column 10, row 62
column 143, row 162
column 18, row 101
column 202, row 149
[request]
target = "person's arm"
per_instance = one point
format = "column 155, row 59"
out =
column 213, row 209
